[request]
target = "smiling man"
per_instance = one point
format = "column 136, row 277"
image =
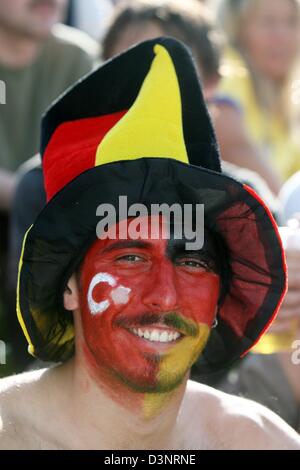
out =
column 146, row 311
column 127, row 313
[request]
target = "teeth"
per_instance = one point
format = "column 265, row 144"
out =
column 157, row 336
column 154, row 336
column 140, row 333
column 164, row 337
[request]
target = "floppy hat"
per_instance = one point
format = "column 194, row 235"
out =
column 138, row 127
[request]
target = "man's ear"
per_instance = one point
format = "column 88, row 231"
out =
column 71, row 294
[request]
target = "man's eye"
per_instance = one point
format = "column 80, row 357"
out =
column 131, row 258
column 193, row 263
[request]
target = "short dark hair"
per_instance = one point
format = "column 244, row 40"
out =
column 188, row 21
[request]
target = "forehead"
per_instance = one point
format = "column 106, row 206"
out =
column 148, row 233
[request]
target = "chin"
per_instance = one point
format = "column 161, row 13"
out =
column 163, row 386
column 169, row 382
column 164, row 381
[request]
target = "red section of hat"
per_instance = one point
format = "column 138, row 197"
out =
column 250, row 264
column 284, row 264
column 72, row 150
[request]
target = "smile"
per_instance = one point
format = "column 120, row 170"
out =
column 156, row 336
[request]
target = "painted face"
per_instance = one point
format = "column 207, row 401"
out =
column 147, row 309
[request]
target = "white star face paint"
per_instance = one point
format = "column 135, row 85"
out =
column 119, row 295
column 99, row 307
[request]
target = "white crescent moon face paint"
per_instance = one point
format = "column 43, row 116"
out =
column 119, row 295
column 99, row 307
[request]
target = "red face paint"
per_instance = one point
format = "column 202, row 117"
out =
column 133, row 288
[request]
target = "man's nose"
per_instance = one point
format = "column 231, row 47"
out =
column 161, row 293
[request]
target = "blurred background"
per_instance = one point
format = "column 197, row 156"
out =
column 247, row 53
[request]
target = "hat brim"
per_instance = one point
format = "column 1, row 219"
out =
column 62, row 233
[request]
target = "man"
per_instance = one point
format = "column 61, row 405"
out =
column 134, row 292
column 38, row 61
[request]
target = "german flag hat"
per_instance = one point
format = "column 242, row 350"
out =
column 138, row 127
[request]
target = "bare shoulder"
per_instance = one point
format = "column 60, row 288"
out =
column 236, row 423
column 17, row 401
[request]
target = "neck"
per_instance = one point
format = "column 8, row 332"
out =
column 17, row 51
column 109, row 415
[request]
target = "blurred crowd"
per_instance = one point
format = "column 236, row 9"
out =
column 247, row 53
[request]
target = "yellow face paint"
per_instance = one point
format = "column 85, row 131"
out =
column 173, row 369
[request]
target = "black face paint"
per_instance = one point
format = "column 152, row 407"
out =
column 213, row 254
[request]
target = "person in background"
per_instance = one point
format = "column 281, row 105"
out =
column 263, row 46
column 39, row 59
column 192, row 23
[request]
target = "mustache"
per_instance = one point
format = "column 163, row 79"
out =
column 172, row 319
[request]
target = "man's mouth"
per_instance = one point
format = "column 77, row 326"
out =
column 162, row 330
column 156, row 335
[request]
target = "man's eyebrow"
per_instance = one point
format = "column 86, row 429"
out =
column 178, row 246
column 127, row 244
